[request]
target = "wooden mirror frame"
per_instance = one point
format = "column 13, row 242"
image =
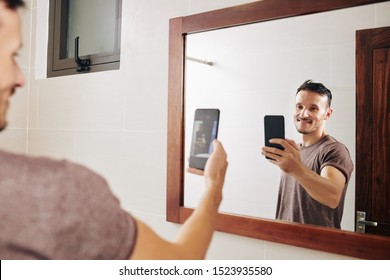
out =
column 307, row 236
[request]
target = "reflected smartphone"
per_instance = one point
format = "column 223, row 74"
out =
column 273, row 128
column 205, row 130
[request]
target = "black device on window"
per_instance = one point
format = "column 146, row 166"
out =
column 273, row 128
column 205, row 130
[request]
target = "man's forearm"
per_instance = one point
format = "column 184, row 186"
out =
column 196, row 233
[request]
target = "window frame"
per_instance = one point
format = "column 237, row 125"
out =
column 58, row 22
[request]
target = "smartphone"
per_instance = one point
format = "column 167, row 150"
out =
column 205, row 130
column 273, row 128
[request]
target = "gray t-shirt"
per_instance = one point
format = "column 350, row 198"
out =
column 295, row 204
column 59, row 210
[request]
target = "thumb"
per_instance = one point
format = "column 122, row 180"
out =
column 292, row 143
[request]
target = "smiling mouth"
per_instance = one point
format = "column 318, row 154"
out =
column 304, row 121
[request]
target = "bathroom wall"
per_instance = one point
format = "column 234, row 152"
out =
column 116, row 122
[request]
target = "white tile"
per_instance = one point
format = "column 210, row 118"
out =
column 29, row 3
column 55, row 144
column 278, row 251
column 34, row 3
column 343, row 65
column 133, row 163
column 33, row 36
column 88, row 101
column 382, row 14
column 18, row 106
column 14, row 140
column 145, row 24
column 33, row 100
column 331, row 27
column 40, row 41
column 26, row 28
column 344, row 111
column 232, row 247
column 147, row 91
column 204, row 6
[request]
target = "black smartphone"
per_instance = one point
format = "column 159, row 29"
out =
column 273, row 128
column 205, row 130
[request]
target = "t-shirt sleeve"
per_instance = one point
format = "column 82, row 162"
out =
column 91, row 224
column 337, row 155
column 60, row 210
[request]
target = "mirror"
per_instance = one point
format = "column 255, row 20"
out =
column 185, row 30
column 247, row 81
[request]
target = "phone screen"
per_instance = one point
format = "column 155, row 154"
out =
column 205, row 130
column 273, row 128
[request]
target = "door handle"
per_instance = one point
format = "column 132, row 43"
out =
column 361, row 222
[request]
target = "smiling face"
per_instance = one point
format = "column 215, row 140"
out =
column 10, row 42
column 311, row 112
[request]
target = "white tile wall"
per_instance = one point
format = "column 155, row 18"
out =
column 115, row 122
column 382, row 14
column 18, row 110
column 196, row 6
column 14, row 140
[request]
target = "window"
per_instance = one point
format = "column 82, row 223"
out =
column 96, row 23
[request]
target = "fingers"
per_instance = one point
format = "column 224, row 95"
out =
column 272, row 153
column 218, row 157
column 292, row 143
column 286, row 143
column 217, row 161
column 219, row 151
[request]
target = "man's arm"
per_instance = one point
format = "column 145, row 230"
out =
column 326, row 188
column 195, row 234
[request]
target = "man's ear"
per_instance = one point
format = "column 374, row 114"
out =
column 329, row 112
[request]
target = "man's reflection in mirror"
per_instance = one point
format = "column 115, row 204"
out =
column 315, row 172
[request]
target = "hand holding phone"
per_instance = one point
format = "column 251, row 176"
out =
column 204, row 131
column 273, row 128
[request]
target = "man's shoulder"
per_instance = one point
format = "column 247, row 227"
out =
column 43, row 167
column 333, row 149
column 332, row 143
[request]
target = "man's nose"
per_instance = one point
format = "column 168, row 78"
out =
column 304, row 113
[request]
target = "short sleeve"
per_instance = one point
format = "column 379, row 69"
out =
column 92, row 223
column 337, row 155
column 60, row 210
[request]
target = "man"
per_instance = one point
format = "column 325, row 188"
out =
column 315, row 173
column 59, row 210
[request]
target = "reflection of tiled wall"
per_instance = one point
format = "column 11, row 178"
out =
column 115, row 122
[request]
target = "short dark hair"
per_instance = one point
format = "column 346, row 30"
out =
column 317, row 88
column 13, row 4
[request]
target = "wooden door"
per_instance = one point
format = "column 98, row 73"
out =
column 373, row 127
